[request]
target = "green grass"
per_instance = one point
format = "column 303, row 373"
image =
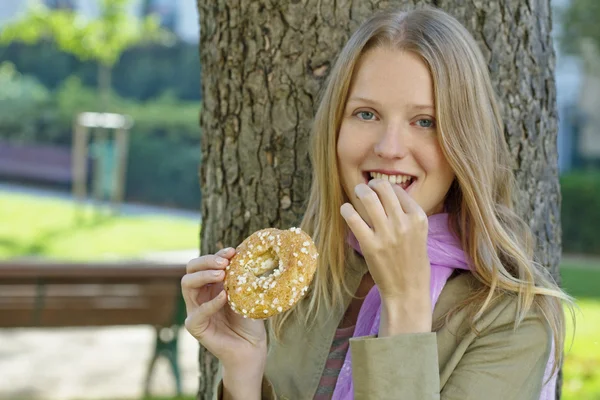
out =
column 52, row 228
column 581, row 370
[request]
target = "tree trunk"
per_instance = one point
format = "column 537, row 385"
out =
column 263, row 64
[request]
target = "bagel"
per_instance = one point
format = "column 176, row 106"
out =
column 270, row 272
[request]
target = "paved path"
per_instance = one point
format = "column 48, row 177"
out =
column 87, row 363
column 125, row 208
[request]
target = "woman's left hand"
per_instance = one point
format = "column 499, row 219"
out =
column 395, row 250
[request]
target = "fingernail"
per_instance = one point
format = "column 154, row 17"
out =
column 217, row 273
column 220, row 261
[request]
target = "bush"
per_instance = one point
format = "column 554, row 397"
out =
column 164, row 147
column 580, row 214
column 142, row 73
column 22, row 99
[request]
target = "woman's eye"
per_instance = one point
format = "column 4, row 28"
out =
column 366, row 115
column 426, row 123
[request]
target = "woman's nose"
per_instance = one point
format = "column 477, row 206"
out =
column 393, row 142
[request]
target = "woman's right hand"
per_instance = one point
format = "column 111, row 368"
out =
column 236, row 341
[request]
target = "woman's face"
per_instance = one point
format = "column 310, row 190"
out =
column 388, row 130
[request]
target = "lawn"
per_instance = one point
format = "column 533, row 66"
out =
column 581, row 369
column 47, row 227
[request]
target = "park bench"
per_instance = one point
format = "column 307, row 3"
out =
column 34, row 162
column 35, row 294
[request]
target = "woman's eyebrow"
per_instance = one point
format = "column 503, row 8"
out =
column 414, row 107
column 422, row 107
column 360, row 99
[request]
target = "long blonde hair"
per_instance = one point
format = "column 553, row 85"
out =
column 480, row 202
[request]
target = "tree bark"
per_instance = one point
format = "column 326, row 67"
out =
column 263, row 63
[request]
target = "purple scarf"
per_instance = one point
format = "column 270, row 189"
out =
column 445, row 255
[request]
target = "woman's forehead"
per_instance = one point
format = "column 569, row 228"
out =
column 392, row 76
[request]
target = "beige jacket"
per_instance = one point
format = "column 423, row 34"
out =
column 450, row 364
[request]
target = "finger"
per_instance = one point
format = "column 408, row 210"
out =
column 408, row 204
column 387, row 196
column 208, row 309
column 197, row 320
column 357, row 225
column 373, row 207
column 209, row 261
column 227, row 252
column 191, row 283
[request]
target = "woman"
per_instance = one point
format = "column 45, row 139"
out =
column 423, row 261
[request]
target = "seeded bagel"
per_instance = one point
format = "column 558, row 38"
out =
column 270, row 272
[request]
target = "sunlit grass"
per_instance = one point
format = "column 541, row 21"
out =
column 42, row 227
column 581, row 370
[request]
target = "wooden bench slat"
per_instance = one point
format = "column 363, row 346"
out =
column 99, row 294
column 72, row 272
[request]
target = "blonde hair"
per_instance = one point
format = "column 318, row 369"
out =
column 480, row 203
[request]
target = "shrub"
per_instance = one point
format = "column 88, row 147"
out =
column 142, row 73
column 580, row 213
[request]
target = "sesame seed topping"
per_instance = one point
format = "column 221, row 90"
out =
column 266, row 312
column 279, row 309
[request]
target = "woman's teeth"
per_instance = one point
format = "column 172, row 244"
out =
column 403, row 180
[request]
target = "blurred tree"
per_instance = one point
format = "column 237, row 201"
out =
column 102, row 39
column 579, row 22
column 263, row 64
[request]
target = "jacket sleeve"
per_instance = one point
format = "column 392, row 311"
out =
column 503, row 364
column 395, row 367
column 500, row 363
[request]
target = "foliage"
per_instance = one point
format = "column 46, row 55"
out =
column 579, row 20
column 21, row 99
column 580, row 214
column 46, row 227
column 103, row 39
column 142, row 72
